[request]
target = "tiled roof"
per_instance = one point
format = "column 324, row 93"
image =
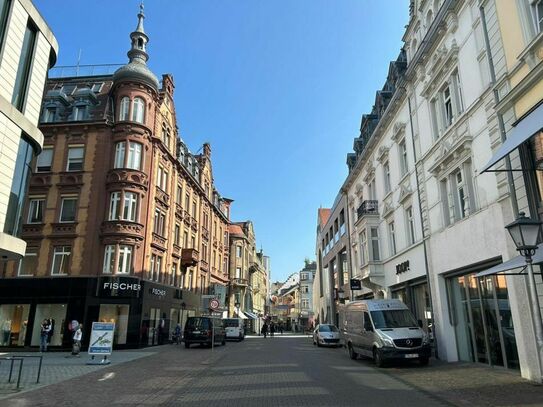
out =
column 235, row 230
column 324, row 214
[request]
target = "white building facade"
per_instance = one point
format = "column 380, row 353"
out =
column 27, row 50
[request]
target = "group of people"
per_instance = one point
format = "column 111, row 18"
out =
column 47, row 331
column 269, row 326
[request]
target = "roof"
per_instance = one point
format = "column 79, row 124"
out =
column 234, row 229
column 324, row 214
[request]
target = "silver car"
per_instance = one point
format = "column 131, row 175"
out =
column 326, row 335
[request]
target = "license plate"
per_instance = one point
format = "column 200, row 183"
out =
column 411, row 356
column 195, row 332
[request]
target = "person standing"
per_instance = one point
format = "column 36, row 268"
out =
column 78, row 335
column 281, row 328
column 51, row 330
column 264, row 330
column 44, row 335
column 177, row 334
column 272, row 329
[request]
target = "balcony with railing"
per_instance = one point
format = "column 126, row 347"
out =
column 239, row 282
column 367, row 208
column 189, row 257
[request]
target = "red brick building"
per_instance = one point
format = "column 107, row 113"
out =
column 122, row 222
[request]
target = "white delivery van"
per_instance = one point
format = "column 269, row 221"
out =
column 383, row 330
column 235, row 328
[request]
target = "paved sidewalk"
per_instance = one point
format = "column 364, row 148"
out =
column 469, row 384
column 56, row 367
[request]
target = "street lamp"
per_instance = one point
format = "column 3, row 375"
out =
column 525, row 232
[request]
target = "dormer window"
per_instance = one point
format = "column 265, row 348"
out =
column 138, row 110
column 49, row 114
column 123, row 109
column 79, row 112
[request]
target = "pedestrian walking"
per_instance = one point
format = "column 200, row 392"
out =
column 264, row 330
column 281, row 328
column 78, row 335
column 51, row 330
column 272, row 329
column 44, row 335
column 177, row 334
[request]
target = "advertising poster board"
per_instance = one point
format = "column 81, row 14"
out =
column 101, row 339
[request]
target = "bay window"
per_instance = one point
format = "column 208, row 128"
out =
column 132, row 160
column 138, row 110
column 124, row 108
column 129, row 209
column 117, row 259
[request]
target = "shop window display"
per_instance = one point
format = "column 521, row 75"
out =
column 117, row 313
column 13, row 324
column 56, row 314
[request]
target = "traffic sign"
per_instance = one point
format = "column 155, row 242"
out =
column 214, row 304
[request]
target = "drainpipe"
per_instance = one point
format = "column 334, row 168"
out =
column 348, row 231
column 424, row 245
column 510, row 180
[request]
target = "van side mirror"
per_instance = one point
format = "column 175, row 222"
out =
column 420, row 323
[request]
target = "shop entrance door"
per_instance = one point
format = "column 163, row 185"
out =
column 154, row 322
column 482, row 318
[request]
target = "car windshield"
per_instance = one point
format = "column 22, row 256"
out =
column 327, row 328
column 393, row 319
column 231, row 322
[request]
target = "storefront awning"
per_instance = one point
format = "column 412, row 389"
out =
column 241, row 314
column 514, row 263
column 526, row 128
column 251, row 315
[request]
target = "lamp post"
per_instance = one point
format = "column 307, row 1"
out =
column 525, row 232
column 183, row 305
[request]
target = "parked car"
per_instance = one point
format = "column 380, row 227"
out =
column 326, row 335
column 235, row 328
column 201, row 329
column 383, row 330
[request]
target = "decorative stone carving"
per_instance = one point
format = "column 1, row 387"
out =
column 64, row 229
column 382, row 154
column 121, row 177
column 122, row 228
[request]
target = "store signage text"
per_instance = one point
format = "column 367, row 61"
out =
column 157, row 291
column 122, row 286
column 402, row 267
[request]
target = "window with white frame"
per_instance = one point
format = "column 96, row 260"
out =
column 305, row 303
column 61, row 260
column 363, row 247
column 156, row 267
column 457, row 194
column 123, row 206
column 75, row 158
column 117, row 259
column 191, row 280
column 410, row 225
column 134, row 156
column 238, row 272
column 386, row 174
column 138, row 110
column 305, row 289
column 44, row 160
column 446, row 105
column 162, row 179
column 537, row 14
column 36, row 207
column 371, row 190
column 392, row 238
column 375, row 252
column 177, row 234
column 120, row 151
column 182, row 278
column 68, row 208
column 159, row 222
column 238, row 252
column 304, row 276
column 173, row 275
column 124, row 108
column 29, row 263
column 404, row 163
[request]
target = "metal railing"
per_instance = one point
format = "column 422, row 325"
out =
column 76, row 71
column 368, row 207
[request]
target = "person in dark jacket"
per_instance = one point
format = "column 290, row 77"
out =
column 264, row 330
column 272, row 329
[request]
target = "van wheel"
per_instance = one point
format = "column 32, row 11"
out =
column 187, row 345
column 424, row 361
column 352, row 354
column 378, row 358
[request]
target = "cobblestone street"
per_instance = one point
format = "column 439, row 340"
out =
column 283, row 371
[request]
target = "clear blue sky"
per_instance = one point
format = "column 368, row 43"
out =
column 277, row 87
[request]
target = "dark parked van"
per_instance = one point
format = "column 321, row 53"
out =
column 200, row 330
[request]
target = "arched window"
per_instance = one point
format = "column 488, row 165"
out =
column 138, row 110
column 123, row 108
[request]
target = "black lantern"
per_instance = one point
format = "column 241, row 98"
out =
column 525, row 232
column 341, row 294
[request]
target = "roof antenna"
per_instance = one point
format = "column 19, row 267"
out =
column 78, row 62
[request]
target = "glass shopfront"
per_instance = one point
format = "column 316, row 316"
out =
column 13, row 324
column 481, row 316
column 117, row 313
column 56, row 314
column 417, row 297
